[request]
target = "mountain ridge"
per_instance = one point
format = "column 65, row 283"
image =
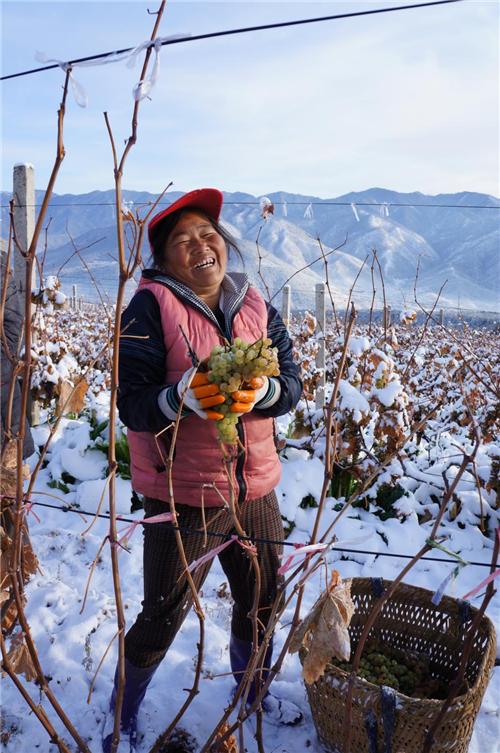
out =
column 455, row 242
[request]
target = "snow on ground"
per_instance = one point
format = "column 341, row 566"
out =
column 72, row 638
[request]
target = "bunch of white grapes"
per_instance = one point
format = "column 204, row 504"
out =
column 232, row 367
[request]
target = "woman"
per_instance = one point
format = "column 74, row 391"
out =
column 189, row 298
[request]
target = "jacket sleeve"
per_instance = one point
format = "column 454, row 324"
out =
column 289, row 380
column 141, row 365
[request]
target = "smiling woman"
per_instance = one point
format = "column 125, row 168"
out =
column 189, row 244
column 196, row 255
column 189, row 295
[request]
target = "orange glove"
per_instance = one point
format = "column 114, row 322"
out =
column 201, row 395
column 252, row 391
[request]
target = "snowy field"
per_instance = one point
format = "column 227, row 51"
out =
column 71, row 642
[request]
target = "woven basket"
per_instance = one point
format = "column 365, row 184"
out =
column 411, row 622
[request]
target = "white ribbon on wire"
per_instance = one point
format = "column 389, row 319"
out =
column 309, row 214
column 144, row 87
column 79, row 92
column 141, row 90
column 303, row 549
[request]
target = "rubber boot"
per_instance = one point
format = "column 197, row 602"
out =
column 277, row 711
column 239, row 654
column 137, row 680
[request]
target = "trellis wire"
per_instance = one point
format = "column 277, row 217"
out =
column 325, row 203
column 218, row 534
column 240, row 30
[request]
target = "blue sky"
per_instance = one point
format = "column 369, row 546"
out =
column 407, row 100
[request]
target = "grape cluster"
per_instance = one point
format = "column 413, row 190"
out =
column 233, row 365
column 403, row 671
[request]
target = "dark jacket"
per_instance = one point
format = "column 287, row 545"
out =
column 13, row 320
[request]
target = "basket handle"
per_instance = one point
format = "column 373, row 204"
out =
column 371, row 727
column 464, row 611
column 388, row 704
column 377, row 587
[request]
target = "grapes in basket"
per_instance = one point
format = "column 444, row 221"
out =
column 404, row 671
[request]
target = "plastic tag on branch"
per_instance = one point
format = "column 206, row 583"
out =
column 143, row 88
column 384, row 209
column 355, row 211
column 323, row 632
column 284, row 209
column 308, row 213
column 266, row 207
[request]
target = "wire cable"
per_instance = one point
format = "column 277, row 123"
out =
column 388, row 204
column 227, row 536
column 241, row 30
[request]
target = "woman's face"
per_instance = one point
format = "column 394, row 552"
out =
column 195, row 254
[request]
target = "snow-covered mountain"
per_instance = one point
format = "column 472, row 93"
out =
column 454, row 242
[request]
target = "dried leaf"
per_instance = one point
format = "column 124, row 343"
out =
column 326, row 641
column 29, row 565
column 8, row 470
column 8, row 483
column 307, row 626
column 8, row 474
column 228, row 746
column 9, row 456
column 9, row 616
column 309, row 324
column 29, row 559
column 20, row 659
column 341, row 595
column 71, row 398
column 5, row 542
column 324, row 631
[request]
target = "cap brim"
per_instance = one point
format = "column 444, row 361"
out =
column 207, row 200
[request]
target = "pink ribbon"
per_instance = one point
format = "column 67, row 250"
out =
column 128, row 532
column 483, row 583
column 487, row 580
column 301, row 549
column 214, row 552
column 28, row 508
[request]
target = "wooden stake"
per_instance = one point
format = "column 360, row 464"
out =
column 320, row 333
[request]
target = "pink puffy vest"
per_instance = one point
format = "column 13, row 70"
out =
column 198, row 470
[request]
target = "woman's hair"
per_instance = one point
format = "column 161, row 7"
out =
column 159, row 235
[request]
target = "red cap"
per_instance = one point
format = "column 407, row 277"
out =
column 208, row 200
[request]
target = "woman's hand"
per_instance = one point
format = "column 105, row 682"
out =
column 251, row 392
column 200, row 395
